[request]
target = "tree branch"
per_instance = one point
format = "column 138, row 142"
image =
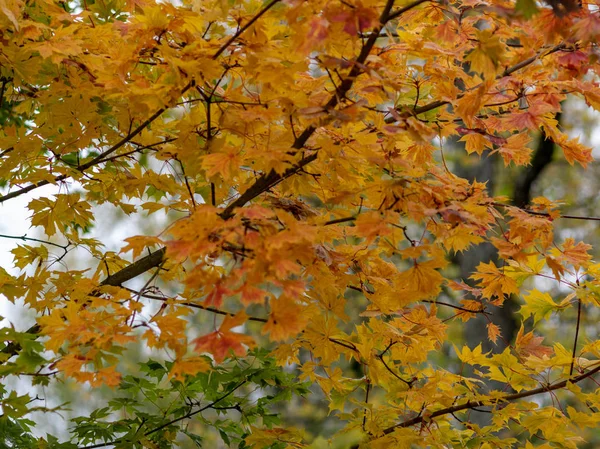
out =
column 492, row 401
column 267, row 181
column 115, row 280
column 509, row 71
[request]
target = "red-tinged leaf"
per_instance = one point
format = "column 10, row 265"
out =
column 575, row 151
column 573, row 60
column 317, row 32
column 530, row 118
column 355, row 19
column 224, row 163
column 216, row 295
column 574, row 254
column 527, row 344
column 223, row 342
column 252, row 295
column 515, row 150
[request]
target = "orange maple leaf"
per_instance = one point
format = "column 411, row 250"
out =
column 494, row 282
column 528, row 344
column 575, row 254
column 493, row 332
column 285, row 320
column 221, row 342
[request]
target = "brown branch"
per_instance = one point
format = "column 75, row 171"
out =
column 5, row 152
column 508, row 71
column 491, row 401
column 129, row 272
column 138, row 149
column 546, row 214
column 196, row 306
column 267, row 181
column 402, row 10
column 339, row 220
column 31, row 239
column 440, row 303
column 393, row 373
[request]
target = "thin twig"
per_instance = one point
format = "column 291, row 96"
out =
column 576, row 336
column 546, row 214
column 31, row 239
column 455, row 307
column 192, row 305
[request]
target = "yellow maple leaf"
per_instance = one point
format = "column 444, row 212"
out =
column 494, row 282
column 287, row 319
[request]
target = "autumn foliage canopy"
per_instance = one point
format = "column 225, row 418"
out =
column 300, row 158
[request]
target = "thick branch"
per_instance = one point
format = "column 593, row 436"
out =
column 266, row 181
column 115, row 280
column 492, row 401
column 509, row 71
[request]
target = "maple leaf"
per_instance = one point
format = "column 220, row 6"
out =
column 318, row 30
column 355, row 19
column 217, row 294
column 469, row 104
column 223, row 163
column 531, row 118
column 539, row 305
column 528, row 344
column 488, row 55
column 189, row 366
column 493, row 332
column 574, row 151
column 515, row 149
column 138, row 244
column 221, row 342
column 494, row 281
column 286, row 319
column 572, row 253
column 422, row 280
column 251, row 294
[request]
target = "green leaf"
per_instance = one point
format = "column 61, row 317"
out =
column 527, row 7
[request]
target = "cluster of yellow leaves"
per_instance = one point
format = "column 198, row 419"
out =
column 296, row 150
